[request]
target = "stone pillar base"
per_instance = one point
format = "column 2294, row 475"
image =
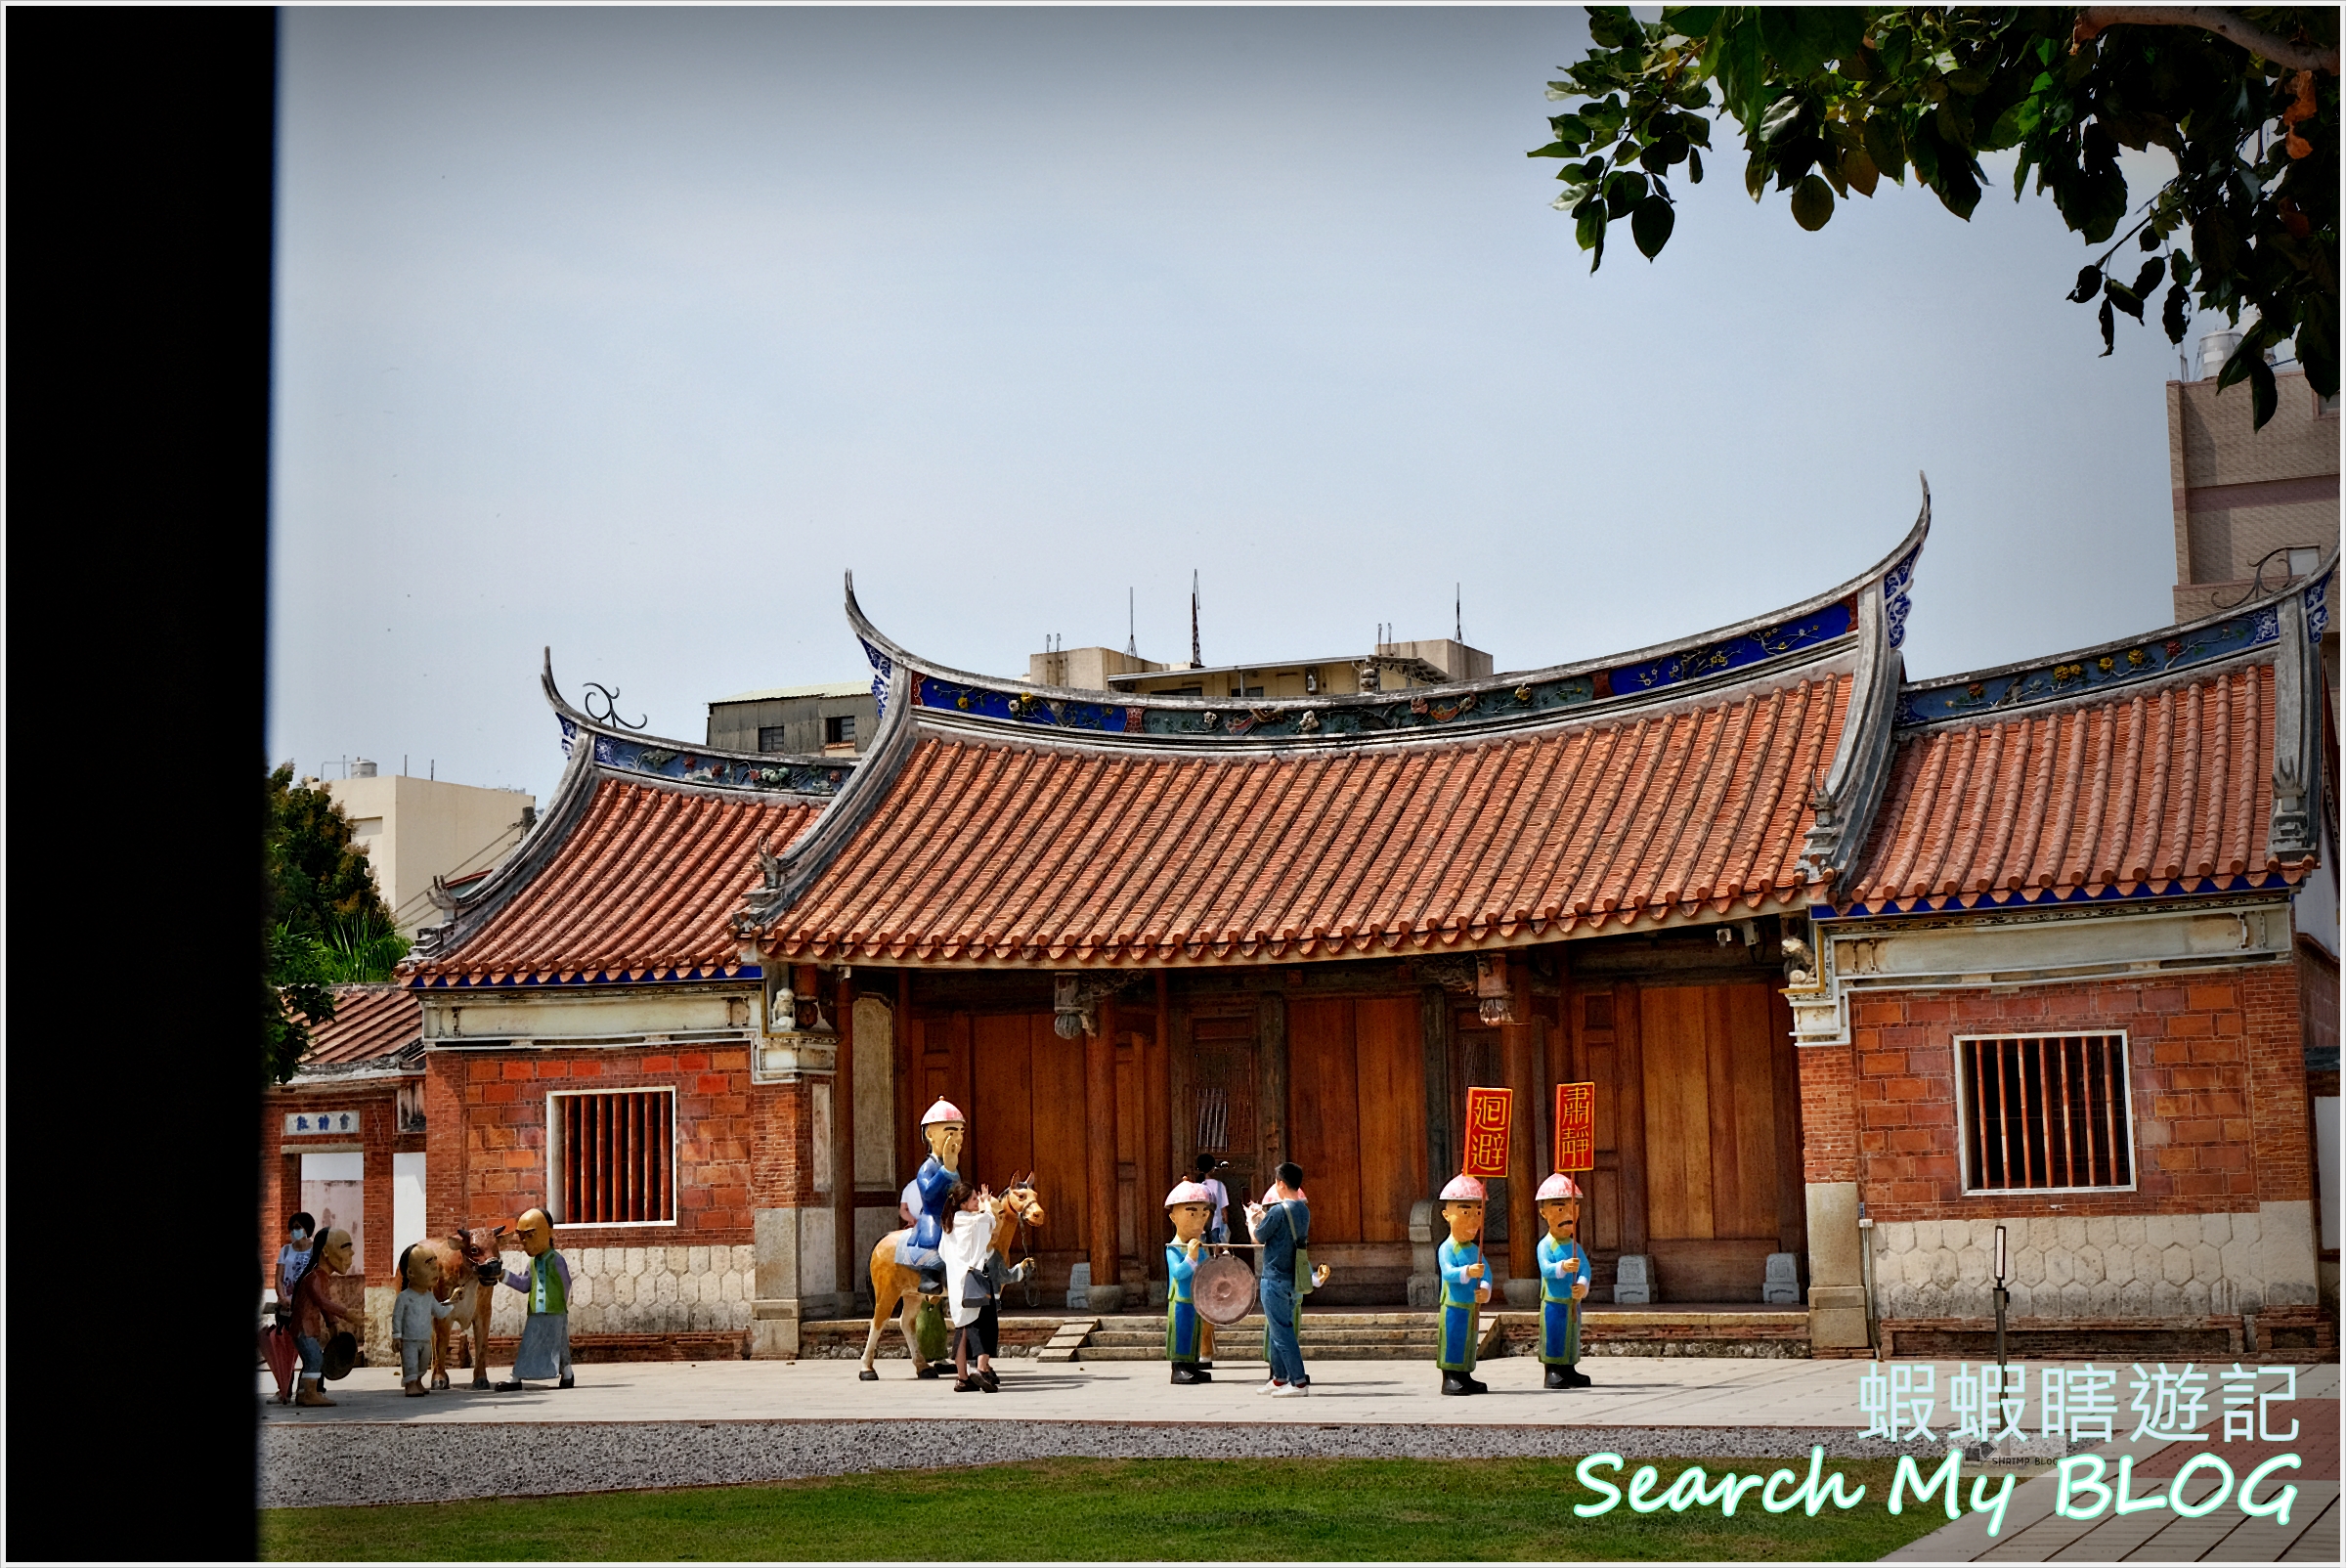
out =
column 1105, row 1299
column 1837, row 1316
column 773, row 1330
column 1521, row 1292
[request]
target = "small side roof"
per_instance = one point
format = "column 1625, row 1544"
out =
column 373, row 1026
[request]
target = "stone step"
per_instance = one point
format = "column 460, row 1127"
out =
column 1222, row 1359
column 1067, row 1339
column 1253, row 1333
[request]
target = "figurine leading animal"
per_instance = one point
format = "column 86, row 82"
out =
column 470, row 1264
column 896, row 1286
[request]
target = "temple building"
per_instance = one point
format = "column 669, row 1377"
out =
column 1859, row 966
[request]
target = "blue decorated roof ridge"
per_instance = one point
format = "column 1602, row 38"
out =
column 2179, row 652
column 1649, row 669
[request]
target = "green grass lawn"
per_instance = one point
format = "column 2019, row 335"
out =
column 1123, row 1508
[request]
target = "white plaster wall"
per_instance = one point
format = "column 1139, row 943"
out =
column 647, row 1289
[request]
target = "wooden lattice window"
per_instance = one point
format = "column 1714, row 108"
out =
column 2045, row 1112
column 612, row 1157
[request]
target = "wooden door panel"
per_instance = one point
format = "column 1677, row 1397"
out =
column 1678, row 1113
column 1752, row 1096
column 1603, row 1208
column 1225, row 1059
column 1392, row 1114
column 1059, row 1135
column 1001, row 1106
column 1324, row 1102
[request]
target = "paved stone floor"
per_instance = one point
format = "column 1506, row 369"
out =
column 2034, row 1531
column 665, row 1424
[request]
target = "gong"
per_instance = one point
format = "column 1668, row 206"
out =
column 1224, row 1290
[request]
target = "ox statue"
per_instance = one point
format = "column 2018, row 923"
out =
column 470, row 1265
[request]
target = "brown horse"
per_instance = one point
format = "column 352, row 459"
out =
column 895, row 1287
column 470, row 1265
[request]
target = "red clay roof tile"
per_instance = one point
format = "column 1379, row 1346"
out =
column 2155, row 791
column 1008, row 851
column 643, row 885
column 371, row 1022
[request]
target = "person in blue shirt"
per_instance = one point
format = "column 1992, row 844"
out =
column 1191, row 1207
column 1465, row 1286
column 1563, row 1282
column 1281, row 1226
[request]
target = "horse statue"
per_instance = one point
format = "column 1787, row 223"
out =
column 470, row 1265
column 895, row 1288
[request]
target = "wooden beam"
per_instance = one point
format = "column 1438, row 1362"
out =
column 1277, row 1143
column 843, row 1146
column 1156, row 1117
column 1519, row 1045
column 1433, row 1023
column 1100, row 1143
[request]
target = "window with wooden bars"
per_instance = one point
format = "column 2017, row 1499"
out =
column 2045, row 1112
column 611, row 1158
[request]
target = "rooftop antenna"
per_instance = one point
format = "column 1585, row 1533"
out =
column 1458, row 610
column 1197, row 659
column 1132, row 631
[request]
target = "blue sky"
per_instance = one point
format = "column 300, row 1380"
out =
column 629, row 331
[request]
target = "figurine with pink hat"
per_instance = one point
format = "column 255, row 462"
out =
column 1191, row 1206
column 1465, row 1286
column 945, row 1128
column 1563, row 1280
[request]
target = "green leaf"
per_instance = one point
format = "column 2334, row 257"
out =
column 1588, row 228
column 1859, row 171
column 1885, row 146
column 1623, row 189
column 1812, row 203
column 2089, row 283
column 2109, row 330
column 2153, row 271
column 2123, row 297
column 2264, row 396
column 1782, row 117
column 1691, row 21
column 2176, row 317
column 1650, row 225
column 1970, row 80
column 1694, row 168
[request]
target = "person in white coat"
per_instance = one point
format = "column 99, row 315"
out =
column 969, row 1293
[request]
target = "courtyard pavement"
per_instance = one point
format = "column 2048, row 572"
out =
column 669, row 1424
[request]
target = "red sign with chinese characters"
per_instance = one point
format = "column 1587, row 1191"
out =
column 1487, row 1114
column 1576, row 1127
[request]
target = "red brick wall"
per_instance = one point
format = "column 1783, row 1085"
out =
column 2208, row 1058
column 1828, row 1114
column 488, row 1159
column 376, row 1101
column 2318, row 995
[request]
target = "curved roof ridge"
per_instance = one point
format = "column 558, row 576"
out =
column 613, row 752
column 2195, row 647
column 1772, row 644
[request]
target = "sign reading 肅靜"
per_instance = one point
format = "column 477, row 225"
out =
column 1489, row 1113
column 1576, row 1127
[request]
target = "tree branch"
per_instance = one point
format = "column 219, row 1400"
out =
column 2094, row 20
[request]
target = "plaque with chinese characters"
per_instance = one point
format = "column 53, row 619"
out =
column 312, row 1124
column 1487, row 1114
column 1576, row 1127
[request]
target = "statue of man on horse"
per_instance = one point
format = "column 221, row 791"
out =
column 907, row 1269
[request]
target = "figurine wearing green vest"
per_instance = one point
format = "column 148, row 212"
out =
column 545, row 1333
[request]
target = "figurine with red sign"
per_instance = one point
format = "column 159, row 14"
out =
column 1563, row 1282
column 1465, row 1286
